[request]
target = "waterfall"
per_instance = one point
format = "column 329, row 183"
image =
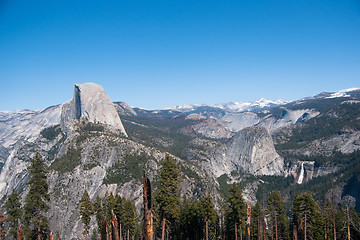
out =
column 301, row 177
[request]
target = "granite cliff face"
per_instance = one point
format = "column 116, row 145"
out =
column 250, row 150
column 26, row 124
column 92, row 104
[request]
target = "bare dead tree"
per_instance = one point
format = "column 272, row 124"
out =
column 20, row 233
column 148, row 211
column 248, row 221
column 115, row 231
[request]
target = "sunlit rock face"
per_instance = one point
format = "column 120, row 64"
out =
column 252, row 150
column 92, row 104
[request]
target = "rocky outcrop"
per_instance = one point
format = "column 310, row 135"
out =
column 288, row 117
column 123, row 109
column 251, row 150
column 211, row 128
column 26, row 124
column 92, row 104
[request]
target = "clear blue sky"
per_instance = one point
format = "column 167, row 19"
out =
column 169, row 52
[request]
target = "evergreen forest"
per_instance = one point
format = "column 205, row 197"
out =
column 173, row 216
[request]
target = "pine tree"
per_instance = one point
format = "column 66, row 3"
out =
column 2, row 227
column 277, row 216
column 235, row 213
column 86, row 210
column 208, row 217
column 36, row 201
column 255, row 222
column 186, row 220
column 329, row 216
column 348, row 223
column 129, row 218
column 307, row 217
column 14, row 213
column 168, row 194
column 98, row 209
column 119, row 212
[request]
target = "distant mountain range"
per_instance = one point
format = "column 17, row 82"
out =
column 232, row 106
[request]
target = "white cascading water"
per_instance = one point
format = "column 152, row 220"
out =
column 301, row 177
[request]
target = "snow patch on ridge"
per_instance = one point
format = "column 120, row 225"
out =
column 343, row 93
column 231, row 106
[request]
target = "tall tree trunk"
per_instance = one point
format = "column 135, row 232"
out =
column 348, row 223
column 51, row 236
column 305, row 227
column 148, row 212
column 20, row 233
column 207, row 230
column 259, row 225
column 240, row 232
column 276, row 230
column 120, row 232
column 115, row 228
column 248, row 221
column 38, row 228
column 107, row 232
column 103, row 234
column 235, row 231
column 264, row 235
column 295, row 236
column 334, row 221
column 128, row 234
column 163, row 229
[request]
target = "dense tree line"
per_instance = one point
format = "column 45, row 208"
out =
column 29, row 221
column 115, row 217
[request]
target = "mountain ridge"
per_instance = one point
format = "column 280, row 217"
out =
column 247, row 148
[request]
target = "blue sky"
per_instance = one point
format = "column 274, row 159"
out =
column 153, row 54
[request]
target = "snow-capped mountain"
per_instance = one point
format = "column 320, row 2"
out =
column 251, row 106
column 231, row 106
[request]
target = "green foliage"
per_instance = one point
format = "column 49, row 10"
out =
column 193, row 218
column 86, row 210
column 329, row 217
column 270, row 183
column 98, row 210
column 14, row 212
column 129, row 221
column 124, row 211
column 167, row 197
column 51, row 133
column 190, row 173
column 92, row 127
column 162, row 133
column 306, row 211
column 256, row 222
column 235, row 212
column 278, row 224
column 37, row 200
column 68, row 161
column 338, row 119
column 129, row 168
column 224, row 186
column 336, row 158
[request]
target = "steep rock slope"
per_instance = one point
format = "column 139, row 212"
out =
column 92, row 104
column 26, row 124
column 251, row 150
